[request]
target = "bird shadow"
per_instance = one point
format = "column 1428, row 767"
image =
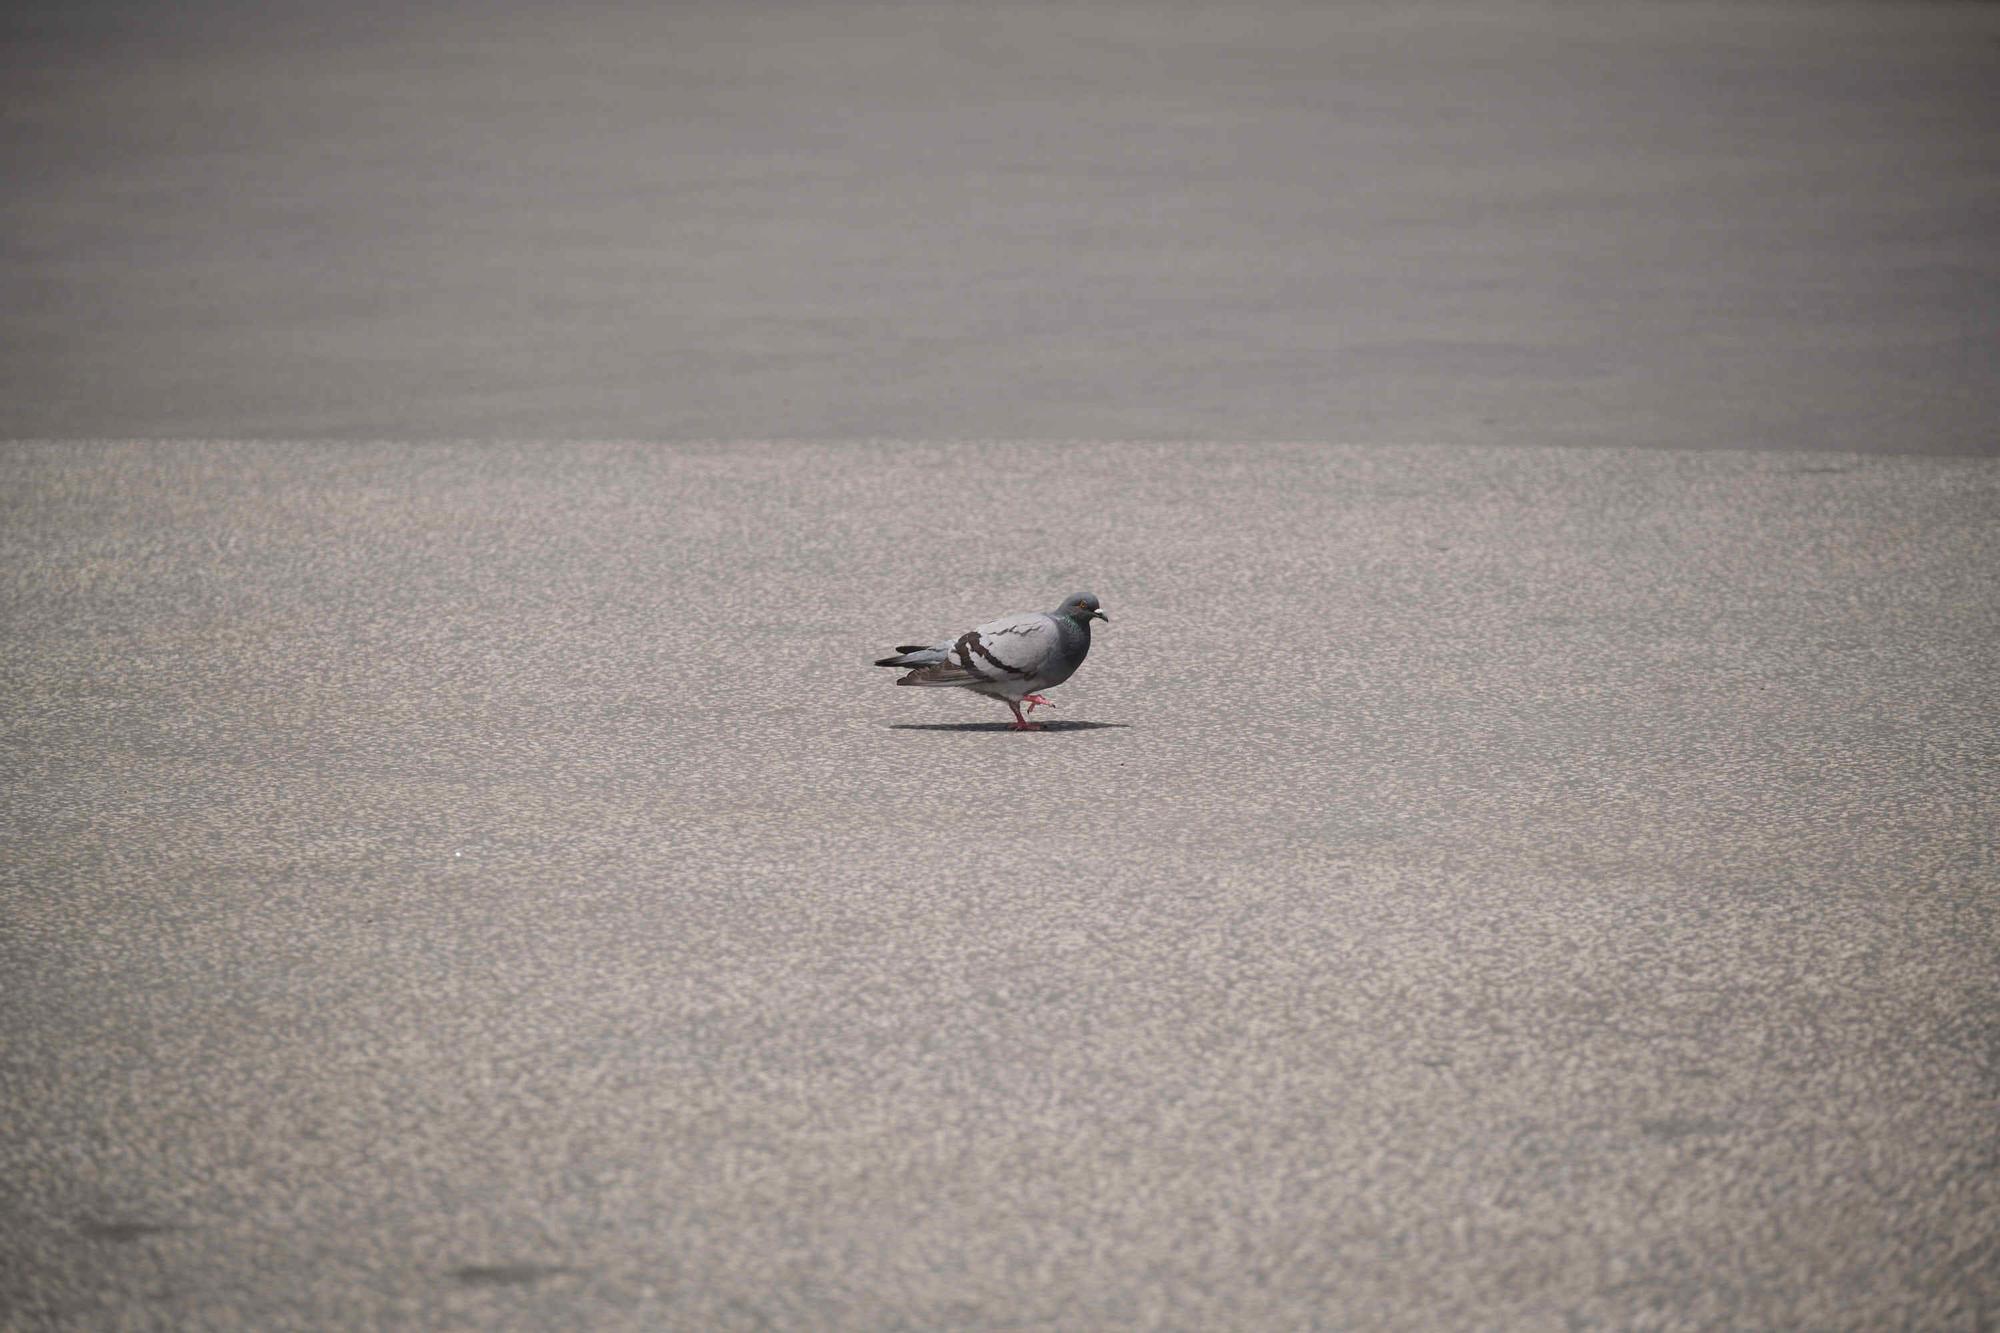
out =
column 509, row 1275
column 1002, row 726
column 124, row 1232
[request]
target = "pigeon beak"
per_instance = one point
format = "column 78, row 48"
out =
column 1099, row 615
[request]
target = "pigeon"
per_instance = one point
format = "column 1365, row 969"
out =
column 1010, row 659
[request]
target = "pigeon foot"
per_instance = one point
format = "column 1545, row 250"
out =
column 1035, row 700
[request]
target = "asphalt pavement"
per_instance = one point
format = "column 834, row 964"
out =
column 1523, row 854
column 483, row 885
column 1696, row 225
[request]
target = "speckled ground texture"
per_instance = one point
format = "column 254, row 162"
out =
column 1473, row 884
column 1467, row 888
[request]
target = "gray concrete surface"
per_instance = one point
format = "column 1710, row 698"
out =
column 1707, row 225
column 1477, row 882
column 487, row 886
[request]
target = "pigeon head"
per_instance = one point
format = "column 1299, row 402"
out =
column 1082, row 607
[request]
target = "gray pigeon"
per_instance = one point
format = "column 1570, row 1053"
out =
column 1011, row 659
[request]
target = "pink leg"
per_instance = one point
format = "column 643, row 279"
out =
column 1033, row 700
column 1022, row 723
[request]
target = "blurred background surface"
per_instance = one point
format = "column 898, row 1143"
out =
column 1740, row 225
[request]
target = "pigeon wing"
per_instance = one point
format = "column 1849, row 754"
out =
column 1008, row 650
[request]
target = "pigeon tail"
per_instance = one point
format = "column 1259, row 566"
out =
column 941, row 673
column 912, row 655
